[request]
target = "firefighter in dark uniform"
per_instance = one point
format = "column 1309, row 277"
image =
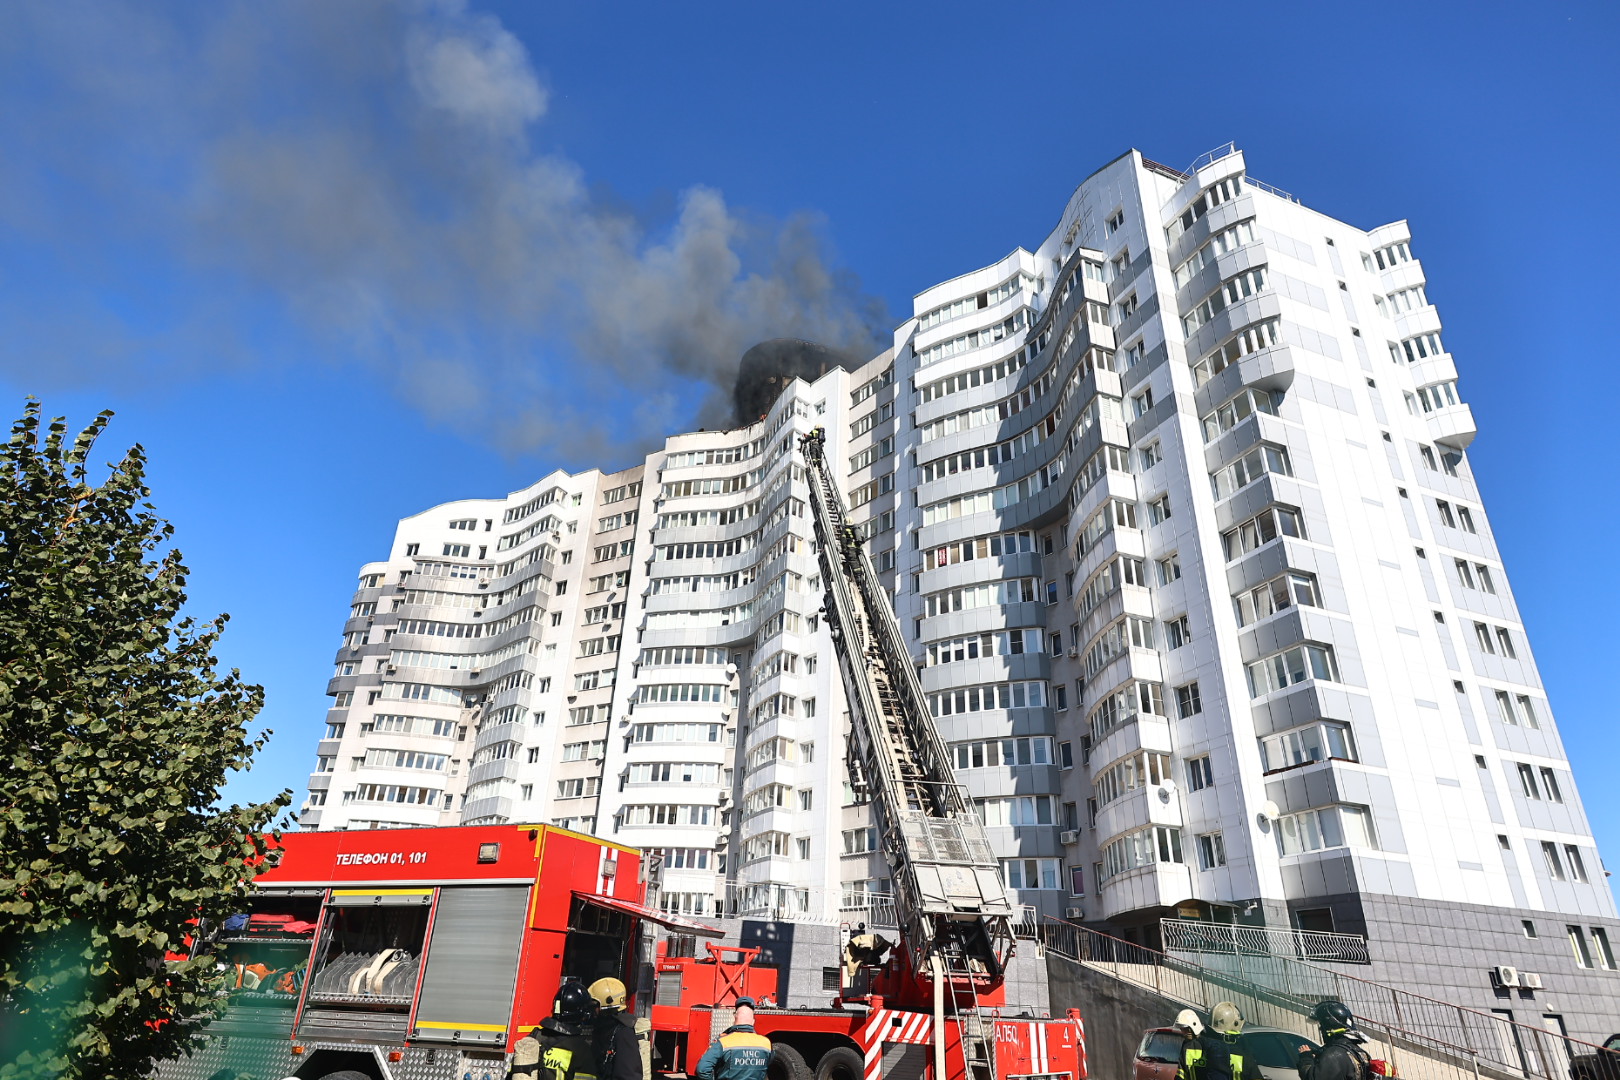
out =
column 1341, row 1056
column 613, row 1033
column 739, row 1053
column 1217, row 1053
column 560, row 1048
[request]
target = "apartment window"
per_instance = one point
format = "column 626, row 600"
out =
column 1052, row 596
column 1482, row 634
column 412, row 549
column 1327, row 827
column 526, row 792
column 1549, row 785
column 1199, row 774
column 803, row 844
column 806, row 799
column 1577, row 945
column 1178, row 632
column 1483, row 573
column 1211, row 851
column 1446, row 517
column 1527, row 784
column 556, row 618
column 1275, row 521
column 1555, row 865
column 1077, row 881
column 1188, row 703
column 1505, row 640
column 1169, row 569
column 1504, row 708
column 1032, row 873
column 1291, row 666
column 1060, row 697
column 1159, row 510
column 1503, row 842
column 1464, row 573
column 457, row 551
column 1142, row 404
column 1317, row 741
column 1529, row 928
column 1150, row 455
column 1275, row 595
column 1115, row 221
column 1466, row 518
column 1066, row 755
column 534, row 755
column 1600, row 942
column 1527, row 710
column 1261, row 461
column 1429, row 461
column 1576, row 865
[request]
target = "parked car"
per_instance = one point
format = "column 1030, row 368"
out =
column 1159, row 1054
column 1602, row 1065
column 1276, row 1051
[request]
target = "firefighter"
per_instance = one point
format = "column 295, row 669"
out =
column 560, row 1048
column 613, row 1034
column 1217, row 1053
column 1341, row 1056
column 739, row 1053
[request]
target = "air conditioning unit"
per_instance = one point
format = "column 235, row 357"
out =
column 1530, row 980
column 391, row 670
column 1074, row 912
column 483, row 583
column 725, row 797
column 1069, row 836
column 1505, row 976
column 474, row 673
column 1074, row 654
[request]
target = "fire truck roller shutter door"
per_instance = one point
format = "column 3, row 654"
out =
column 472, row 964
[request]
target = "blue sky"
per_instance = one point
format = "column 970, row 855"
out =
column 334, row 269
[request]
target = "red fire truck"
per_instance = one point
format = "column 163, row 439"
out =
column 412, row 954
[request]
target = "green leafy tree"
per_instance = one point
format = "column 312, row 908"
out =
column 116, row 735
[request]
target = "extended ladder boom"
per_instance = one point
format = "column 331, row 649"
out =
column 952, row 906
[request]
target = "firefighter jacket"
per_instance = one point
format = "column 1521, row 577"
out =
column 617, row 1048
column 557, row 1050
column 738, row 1054
column 1211, row 1057
column 1341, row 1058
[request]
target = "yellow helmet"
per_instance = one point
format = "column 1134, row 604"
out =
column 609, row 993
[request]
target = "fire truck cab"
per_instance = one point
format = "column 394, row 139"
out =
column 416, row 953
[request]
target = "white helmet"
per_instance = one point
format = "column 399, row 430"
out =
column 1188, row 1021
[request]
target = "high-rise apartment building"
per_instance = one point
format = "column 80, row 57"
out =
column 1179, row 520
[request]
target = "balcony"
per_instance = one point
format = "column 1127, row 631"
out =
column 1453, row 425
column 1155, row 885
column 1146, row 732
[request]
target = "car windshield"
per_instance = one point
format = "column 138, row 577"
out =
column 1160, row 1046
column 1275, row 1049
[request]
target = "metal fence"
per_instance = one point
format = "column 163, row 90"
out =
column 1423, row 1038
column 1184, row 935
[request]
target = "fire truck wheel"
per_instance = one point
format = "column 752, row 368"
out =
column 840, row 1063
column 346, row 1074
column 786, row 1064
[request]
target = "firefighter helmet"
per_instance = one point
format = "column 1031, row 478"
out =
column 1333, row 1017
column 609, row 993
column 1226, row 1019
column 573, row 1003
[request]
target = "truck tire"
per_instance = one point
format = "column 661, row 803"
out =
column 786, row 1064
column 840, row 1063
column 346, row 1074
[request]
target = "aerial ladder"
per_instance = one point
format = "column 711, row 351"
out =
column 952, row 908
